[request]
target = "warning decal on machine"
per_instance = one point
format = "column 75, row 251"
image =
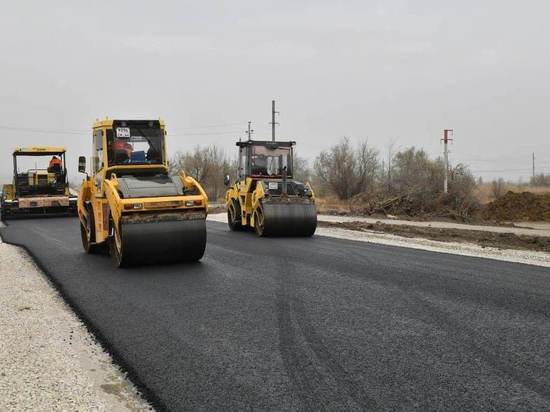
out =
column 273, row 185
column 122, row 132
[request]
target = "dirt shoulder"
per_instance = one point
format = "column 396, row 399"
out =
column 216, row 209
column 530, row 229
column 499, row 240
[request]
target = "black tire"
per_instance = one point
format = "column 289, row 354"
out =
column 259, row 223
column 87, row 234
column 234, row 216
column 116, row 246
column 3, row 213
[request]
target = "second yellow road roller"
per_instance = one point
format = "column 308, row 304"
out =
column 131, row 206
column 265, row 196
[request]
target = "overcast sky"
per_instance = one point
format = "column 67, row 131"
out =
column 389, row 71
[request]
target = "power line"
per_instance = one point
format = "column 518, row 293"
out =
column 501, row 170
column 85, row 132
column 211, row 126
column 40, row 130
column 231, row 132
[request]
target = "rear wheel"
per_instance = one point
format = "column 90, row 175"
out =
column 234, row 216
column 259, row 222
column 116, row 248
column 5, row 210
column 87, row 233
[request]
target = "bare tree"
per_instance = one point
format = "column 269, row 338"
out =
column 347, row 170
column 498, row 187
column 388, row 177
column 301, row 170
column 418, row 182
column 461, row 197
column 540, row 180
column 196, row 163
column 206, row 164
column 367, row 165
column 413, row 170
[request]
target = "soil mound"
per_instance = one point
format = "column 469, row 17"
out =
column 525, row 206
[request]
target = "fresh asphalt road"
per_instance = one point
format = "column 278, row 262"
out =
column 316, row 323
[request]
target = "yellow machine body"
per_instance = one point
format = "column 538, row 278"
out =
column 125, row 206
column 265, row 195
column 38, row 191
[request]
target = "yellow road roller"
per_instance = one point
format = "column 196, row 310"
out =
column 40, row 186
column 265, row 196
column 130, row 205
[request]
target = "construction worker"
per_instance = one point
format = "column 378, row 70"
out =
column 55, row 165
column 122, row 151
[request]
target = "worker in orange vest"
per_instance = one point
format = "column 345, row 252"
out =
column 55, row 165
column 122, row 151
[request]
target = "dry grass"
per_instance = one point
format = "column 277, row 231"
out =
column 332, row 205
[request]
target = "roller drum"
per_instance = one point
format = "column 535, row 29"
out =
column 163, row 241
column 289, row 219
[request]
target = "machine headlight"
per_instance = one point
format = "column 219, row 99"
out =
column 133, row 206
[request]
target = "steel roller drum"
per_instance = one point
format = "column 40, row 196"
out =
column 163, row 241
column 289, row 219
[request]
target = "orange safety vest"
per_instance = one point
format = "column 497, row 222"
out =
column 121, row 145
column 55, row 162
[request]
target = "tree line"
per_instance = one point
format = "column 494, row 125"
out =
column 354, row 172
column 540, row 179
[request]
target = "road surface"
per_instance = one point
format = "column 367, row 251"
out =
column 320, row 323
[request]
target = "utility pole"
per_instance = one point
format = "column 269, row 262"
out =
column 533, row 167
column 273, row 122
column 249, row 131
column 390, row 152
column 446, row 140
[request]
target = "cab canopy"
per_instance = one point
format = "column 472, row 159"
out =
column 39, row 151
column 128, row 143
column 261, row 158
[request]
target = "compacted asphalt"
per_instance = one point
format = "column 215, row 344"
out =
column 309, row 324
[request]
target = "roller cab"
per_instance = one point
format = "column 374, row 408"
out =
column 40, row 186
column 265, row 196
column 130, row 206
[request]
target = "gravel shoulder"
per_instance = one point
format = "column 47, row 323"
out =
column 478, row 237
column 48, row 359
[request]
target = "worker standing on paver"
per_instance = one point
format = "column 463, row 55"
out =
column 55, row 165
